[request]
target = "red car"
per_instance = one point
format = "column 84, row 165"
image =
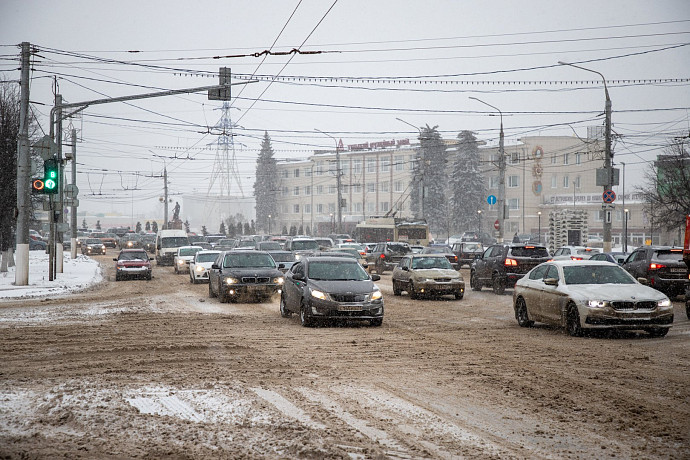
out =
column 132, row 263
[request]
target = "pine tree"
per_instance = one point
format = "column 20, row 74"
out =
column 148, row 226
column 154, row 227
column 98, row 225
column 138, row 227
column 221, row 230
column 468, row 190
column 265, row 185
column 186, row 225
column 430, row 179
column 204, row 231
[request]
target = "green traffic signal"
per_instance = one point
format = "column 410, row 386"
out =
column 51, row 175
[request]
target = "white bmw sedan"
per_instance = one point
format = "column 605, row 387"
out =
column 581, row 295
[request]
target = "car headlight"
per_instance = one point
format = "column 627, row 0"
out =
column 318, row 294
column 298, row 256
column 664, row 303
column 180, row 261
column 231, row 281
column 376, row 295
column 199, row 268
column 597, row 303
column 279, row 280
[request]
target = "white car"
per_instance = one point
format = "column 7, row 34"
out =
column 575, row 253
column 588, row 294
column 183, row 257
column 200, row 265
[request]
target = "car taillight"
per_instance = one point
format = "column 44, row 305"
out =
column 510, row 262
column 654, row 266
column 575, row 258
column 383, row 256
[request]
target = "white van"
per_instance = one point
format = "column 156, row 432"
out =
column 167, row 242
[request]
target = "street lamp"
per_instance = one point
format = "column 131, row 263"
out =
column 332, row 223
column 539, row 215
column 339, row 204
column 422, row 168
column 626, row 213
column 479, row 213
column 269, row 224
column 501, row 175
column 608, row 154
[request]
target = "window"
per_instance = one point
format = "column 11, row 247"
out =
column 566, row 158
column 319, row 189
column 295, row 191
column 513, row 203
column 285, row 191
column 319, row 208
column 554, row 181
column 331, row 207
column 319, row 168
column 307, row 172
column 331, row 189
column 296, row 172
column 576, row 182
column 371, row 187
column 554, row 159
column 493, row 182
column 514, row 158
column 307, row 209
column 357, row 166
column 411, row 162
column 307, row 190
column 371, row 206
column 599, row 215
column 578, row 158
column 345, row 167
column 384, row 186
column 513, row 181
column 399, row 186
column 399, row 161
column 384, row 206
column 357, row 188
column 358, row 207
column 284, row 174
column 385, row 164
column 371, row 165
column 295, row 208
column 566, row 181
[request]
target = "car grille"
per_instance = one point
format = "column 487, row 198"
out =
column 349, row 297
column 628, row 305
column 442, row 280
column 255, row 280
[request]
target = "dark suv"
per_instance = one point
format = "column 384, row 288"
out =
column 385, row 256
column 251, row 273
column 661, row 266
column 501, row 265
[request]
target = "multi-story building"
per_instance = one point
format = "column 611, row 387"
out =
column 543, row 174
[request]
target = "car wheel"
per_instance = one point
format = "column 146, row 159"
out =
column 572, row 322
column 117, row 277
column 657, row 331
column 284, row 312
column 210, row 290
column 304, row 317
column 521, row 314
column 459, row 295
column 377, row 322
column 411, row 291
column 474, row 282
column 687, row 308
column 396, row 288
column 498, row 285
column 149, row 276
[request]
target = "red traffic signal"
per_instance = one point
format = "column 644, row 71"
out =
column 37, row 185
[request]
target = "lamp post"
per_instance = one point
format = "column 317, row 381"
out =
column 501, row 175
column 421, row 166
column 479, row 213
column 626, row 212
column 608, row 154
column 339, row 204
column 332, row 223
column 269, row 224
column 539, row 215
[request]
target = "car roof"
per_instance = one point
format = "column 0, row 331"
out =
column 208, row 251
column 579, row 263
column 331, row 258
column 420, row 256
column 133, row 250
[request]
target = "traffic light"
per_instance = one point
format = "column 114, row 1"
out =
column 37, row 186
column 50, row 177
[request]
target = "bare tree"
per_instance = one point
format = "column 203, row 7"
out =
column 667, row 189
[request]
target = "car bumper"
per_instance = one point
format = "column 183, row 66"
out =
column 669, row 286
column 327, row 309
column 257, row 290
column 440, row 288
column 134, row 272
column 90, row 252
column 200, row 276
column 605, row 318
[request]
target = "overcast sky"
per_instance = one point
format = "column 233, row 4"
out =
column 378, row 61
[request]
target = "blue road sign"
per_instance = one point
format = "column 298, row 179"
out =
column 491, row 199
column 609, row 196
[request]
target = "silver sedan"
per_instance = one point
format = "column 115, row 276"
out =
column 581, row 295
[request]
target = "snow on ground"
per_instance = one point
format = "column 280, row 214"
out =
column 78, row 274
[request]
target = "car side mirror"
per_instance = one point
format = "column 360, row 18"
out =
column 375, row 277
column 215, row 266
column 298, row 277
column 115, row 259
column 281, row 266
column 405, row 269
column 644, row 281
column 551, row 281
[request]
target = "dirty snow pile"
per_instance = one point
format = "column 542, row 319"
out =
column 78, row 274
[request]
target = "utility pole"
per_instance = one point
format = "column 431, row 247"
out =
column 607, row 180
column 339, row 205
column 21, row 275
column 501, row 177
column 422, row 166
column 165, row 196
column 73, row 208
column 58, row 208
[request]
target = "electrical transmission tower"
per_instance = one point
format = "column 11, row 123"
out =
column 225, row 169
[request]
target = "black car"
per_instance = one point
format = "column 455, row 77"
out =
column 385, row 256
column 468, row 251
column 662, row 268
column 323, row 287
column 501, row 265
column 250, row 273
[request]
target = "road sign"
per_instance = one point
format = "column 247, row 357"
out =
column 71, row 190
column 491, row 199
column 46, row 147
column 497, row 225
column 72, row 202
column 609, row 196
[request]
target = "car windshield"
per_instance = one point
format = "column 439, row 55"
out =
column 587, row 251
column 473, row 247
column 248, row 260
column 669, row 255
column 269, row 246
column 596, row 274
column 133, row 256
column 337, row 271
column 352, row 251
column 530, row 251
column 399, row 248
column 436, row 250
column 188, row 251
column 206, row 257
column 283, row 257
column 174, row 241
column 426, row 263
column 305, row 245
column 93, row 241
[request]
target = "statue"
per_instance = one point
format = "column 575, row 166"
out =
column 176, row 212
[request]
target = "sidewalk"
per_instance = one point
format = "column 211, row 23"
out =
column 79, row 274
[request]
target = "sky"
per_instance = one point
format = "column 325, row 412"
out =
column 362, row 65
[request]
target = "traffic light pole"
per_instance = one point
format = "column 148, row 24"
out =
column 73, row 209
column 21, row 274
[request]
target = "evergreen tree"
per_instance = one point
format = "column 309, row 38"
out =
column 204, row 231
column 98, row 225
column 154, row 226
column 83, row 224
column 138, row 227
column 247, row 229
column 265, row 185
column 221, row 230
column 293, row 230
column 285, row 230
column 238, row 229
column 468, row 189
column 253, row 227
column 186, row 225
column 300, row 230
column 148, row 226
column 430, row 179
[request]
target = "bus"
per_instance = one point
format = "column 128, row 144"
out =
column 380, row 229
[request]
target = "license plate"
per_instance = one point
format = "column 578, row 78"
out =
column 677, row 270
column 349, row 308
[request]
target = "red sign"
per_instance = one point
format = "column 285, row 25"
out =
column 609, row 196
column 497, row 225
